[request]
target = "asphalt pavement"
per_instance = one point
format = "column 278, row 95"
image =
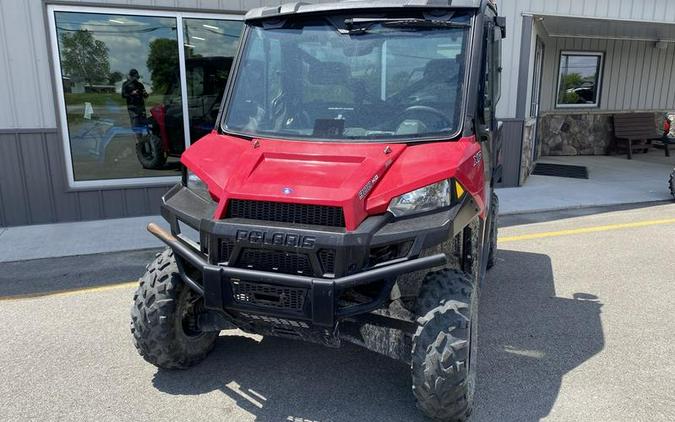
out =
column 576, row 324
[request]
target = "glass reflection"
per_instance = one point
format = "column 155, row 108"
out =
column 210, row 46
column 120, row 74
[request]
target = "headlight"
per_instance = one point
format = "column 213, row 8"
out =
column 428, row 198
column 193, row 182
column 197, row 185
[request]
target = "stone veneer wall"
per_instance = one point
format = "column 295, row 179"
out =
column 580, row 133
column 526, row 161
column 575, row 134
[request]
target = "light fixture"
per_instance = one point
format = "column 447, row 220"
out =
column 116, row 21
column 210, row 26
column 198, row 38
column 188, row 45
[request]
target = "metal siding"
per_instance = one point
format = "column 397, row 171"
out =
column 24, row 67
column 524, row 67
column 14, row 201
column 512, row 139
column 90, row 205
column 34, row 167
column 33, row 185
column 667, row 91
column 65, row 204
column 136, row 202
column 112, row 203
column 636, row 76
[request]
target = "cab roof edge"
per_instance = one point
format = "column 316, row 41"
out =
column 351, row 5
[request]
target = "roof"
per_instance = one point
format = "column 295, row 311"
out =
column 355, row 5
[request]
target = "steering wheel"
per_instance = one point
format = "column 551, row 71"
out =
column 421, row 109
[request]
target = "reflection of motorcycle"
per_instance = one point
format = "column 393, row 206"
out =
column 671, row 183
column 206, row 78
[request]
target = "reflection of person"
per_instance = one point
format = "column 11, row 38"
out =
column 134, row 92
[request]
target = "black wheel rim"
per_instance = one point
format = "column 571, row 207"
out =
column 188, row 312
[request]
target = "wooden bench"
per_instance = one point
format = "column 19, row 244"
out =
column 636, row 131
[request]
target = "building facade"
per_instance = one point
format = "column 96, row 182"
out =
column 80, row 81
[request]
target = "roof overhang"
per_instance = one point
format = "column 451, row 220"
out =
column 356, row 5
column 581, row 27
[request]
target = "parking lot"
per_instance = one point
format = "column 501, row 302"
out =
column 576, row 323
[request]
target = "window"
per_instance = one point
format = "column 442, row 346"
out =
column 127, row 89
column 580, row 78
column 308, row 80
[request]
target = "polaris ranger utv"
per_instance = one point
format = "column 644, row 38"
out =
column 346, row 193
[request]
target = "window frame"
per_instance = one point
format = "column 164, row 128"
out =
column 59, row 97
column 601, row 65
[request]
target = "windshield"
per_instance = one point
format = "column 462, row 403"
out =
column 307, row 79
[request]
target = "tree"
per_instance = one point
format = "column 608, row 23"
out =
column 84, row 58
column 163, row 64
column 115, row 77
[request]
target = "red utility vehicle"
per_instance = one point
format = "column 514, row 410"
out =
column 346, row 193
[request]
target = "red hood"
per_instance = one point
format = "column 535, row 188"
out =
column 325, row 173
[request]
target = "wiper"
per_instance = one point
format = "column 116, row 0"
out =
column 367, row 23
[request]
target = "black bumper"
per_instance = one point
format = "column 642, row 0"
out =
column 314, row 297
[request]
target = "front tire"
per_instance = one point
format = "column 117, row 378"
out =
column 443, row 353
column 163, row 318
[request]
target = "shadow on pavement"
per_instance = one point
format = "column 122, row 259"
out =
column 541, row 217
column 44, row 276
column 529, row 339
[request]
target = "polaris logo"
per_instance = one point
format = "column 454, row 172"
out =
column 276, row 239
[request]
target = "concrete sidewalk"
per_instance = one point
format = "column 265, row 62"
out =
column 612, row 181
column 80, row 238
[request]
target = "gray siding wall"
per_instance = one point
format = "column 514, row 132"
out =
column 512, row 137
column 33, row 186
column 636, row 75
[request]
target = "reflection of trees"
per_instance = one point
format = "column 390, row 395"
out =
column 571, row 81
column 84, row 58
column 163, row 64
column 115, row 77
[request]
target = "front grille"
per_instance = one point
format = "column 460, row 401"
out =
column 269, row 260
column 269, row 296
column 319, row 215
column 327, row 258
column 226, row 246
